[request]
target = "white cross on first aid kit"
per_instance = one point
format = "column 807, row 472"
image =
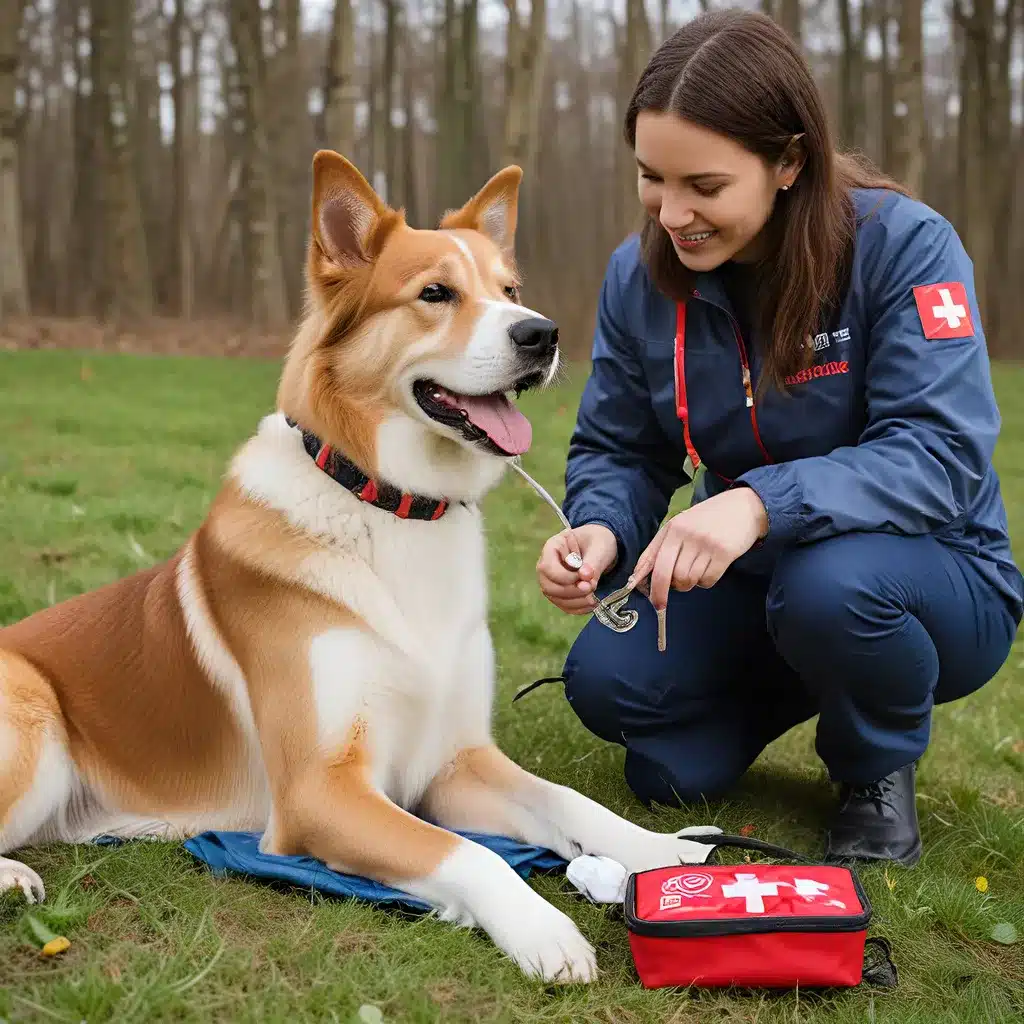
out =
column 750, row 887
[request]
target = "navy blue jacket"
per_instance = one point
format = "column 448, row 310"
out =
column 892, row 431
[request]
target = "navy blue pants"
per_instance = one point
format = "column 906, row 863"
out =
column 867, row 631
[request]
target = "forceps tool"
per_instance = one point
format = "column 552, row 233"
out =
column 608, row 611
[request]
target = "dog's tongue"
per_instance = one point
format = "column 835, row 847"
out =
column 503, row 423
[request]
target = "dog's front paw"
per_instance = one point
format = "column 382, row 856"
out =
column 545, row 943
column 14, row 874
column 663, row 849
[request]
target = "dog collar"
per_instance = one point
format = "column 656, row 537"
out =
column 352, row 478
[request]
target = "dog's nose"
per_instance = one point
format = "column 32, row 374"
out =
column 535, row 335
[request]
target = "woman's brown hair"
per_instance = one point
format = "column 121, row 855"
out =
column 736, row 72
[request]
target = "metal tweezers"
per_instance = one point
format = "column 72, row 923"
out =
column 609, row 610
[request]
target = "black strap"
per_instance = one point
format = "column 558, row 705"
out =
column 758, row 845
column 533, row 686
column 881, row 970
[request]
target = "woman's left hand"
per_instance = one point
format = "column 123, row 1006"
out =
column 695, row 547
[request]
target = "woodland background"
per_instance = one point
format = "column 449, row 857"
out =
column 155, row 154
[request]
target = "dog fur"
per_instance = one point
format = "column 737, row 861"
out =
column 310, row 665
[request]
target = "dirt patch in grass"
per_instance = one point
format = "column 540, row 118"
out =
column 157, row 336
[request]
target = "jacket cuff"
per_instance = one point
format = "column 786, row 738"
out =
column 780, row 492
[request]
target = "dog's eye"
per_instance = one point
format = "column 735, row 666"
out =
column 437, row 293
column 512, row 292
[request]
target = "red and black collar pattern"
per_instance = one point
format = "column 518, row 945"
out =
column 378, row 494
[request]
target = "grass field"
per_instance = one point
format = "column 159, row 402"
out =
column 106, row 464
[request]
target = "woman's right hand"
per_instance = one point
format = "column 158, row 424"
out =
column 572, row 590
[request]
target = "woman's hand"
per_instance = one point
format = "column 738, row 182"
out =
column 572, row 590
column 695, row 547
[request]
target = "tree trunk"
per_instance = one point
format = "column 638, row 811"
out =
column 468, row 91
column 183, row 281
column 885, row 87
column 389, row 74
column 526, row 47
column 789, row 15
column 449, row 148
column 910, row 136
column 975, row 151
column 341, row 91
column 13, row 282
column 267, row 300
column 851, row 78
column 634, row 52
column 126, row 291
column 410, row 179
column 1002, row 147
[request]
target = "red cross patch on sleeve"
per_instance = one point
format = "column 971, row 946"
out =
column 944, row 310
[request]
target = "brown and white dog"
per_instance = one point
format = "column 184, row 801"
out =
column 315, row 661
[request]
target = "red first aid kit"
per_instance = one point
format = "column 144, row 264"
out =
column 758, row 925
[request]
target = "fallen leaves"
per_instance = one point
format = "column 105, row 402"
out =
column 1004, row 933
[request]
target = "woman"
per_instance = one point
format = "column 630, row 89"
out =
column 798, row 326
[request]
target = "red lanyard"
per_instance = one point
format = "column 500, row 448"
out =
column 682, row 410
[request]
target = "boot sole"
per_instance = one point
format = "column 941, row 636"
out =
column 907, row 860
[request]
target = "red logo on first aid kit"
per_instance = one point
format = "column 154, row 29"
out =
column 687, row 885
column 944, row 310
column 674, row 889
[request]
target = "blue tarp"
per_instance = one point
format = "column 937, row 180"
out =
column 238, row 853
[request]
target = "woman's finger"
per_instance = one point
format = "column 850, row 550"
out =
column 690, row 569
column 645, row 563
column 577, row 606
column 562, row 592
column 572, row 556
column 552, row 562
column 713, row 573
column 664, row 568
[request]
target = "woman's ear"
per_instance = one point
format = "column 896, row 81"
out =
column 792, row 162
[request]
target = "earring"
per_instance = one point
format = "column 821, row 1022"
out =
column 785, row 188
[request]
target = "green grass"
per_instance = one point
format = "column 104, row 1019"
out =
column 106, row 464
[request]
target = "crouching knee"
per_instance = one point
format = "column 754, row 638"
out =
column 820, row 592
column 590, row 691
column 655, row 781
column 611, row 686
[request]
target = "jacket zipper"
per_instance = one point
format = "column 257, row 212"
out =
column 748, row 389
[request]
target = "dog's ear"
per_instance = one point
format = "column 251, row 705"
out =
column 493, row 210
column 350, row 221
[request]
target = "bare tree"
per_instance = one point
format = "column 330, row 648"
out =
column 790, row 18
column 885, row 85
column 127, row 291
column 388, row 84
column 976, row 150
column 181, row 241
column 13, row 284
column 910, row 142
column 115, row 205
column 851, row 76
column 634, row 52
column 341, row 91
column 264, row 283
column 526, row 57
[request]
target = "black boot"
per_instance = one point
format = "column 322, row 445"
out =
column 877, row 821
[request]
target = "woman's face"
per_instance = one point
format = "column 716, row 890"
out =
column 710, row 194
